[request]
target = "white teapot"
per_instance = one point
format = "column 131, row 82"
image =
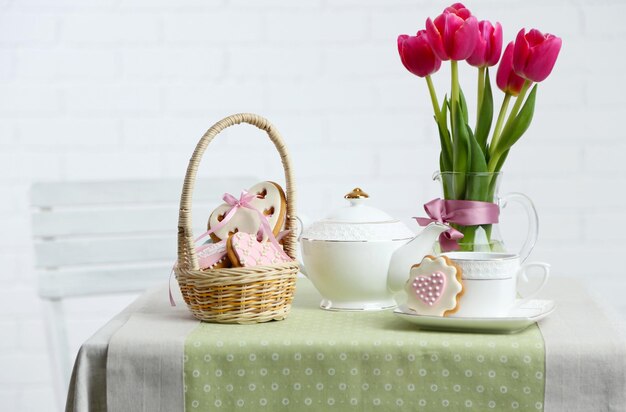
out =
column 358, row 256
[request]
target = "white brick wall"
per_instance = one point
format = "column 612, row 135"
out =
column 135, row 83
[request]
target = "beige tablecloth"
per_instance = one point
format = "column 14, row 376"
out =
column 585, row 353
column 134, row 363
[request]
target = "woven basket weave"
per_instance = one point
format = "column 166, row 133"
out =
column 244, row 294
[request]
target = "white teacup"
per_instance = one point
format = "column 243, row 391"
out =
column 491, row 282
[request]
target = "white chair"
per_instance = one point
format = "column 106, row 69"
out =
column 108, row 237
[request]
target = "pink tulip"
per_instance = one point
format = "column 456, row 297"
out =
column 454, row 33
column 506, row 78
column 535, row 54
column 417, row 55
column 458, row 8
column 489, row 45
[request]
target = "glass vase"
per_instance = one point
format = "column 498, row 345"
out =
column 485, row 187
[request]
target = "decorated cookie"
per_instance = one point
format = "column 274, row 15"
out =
column 213, row 255
column 245, row 250
column 434, row 287
column 269, row 200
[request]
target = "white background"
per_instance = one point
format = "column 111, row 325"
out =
column 86, row 85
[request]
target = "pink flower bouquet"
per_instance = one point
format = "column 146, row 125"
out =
column 457, row 35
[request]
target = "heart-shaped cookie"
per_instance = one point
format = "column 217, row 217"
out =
column 270, row 200
column 245, row 250
column 434, row 287
column 212, row 255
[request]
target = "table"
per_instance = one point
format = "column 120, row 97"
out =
column 158, row 358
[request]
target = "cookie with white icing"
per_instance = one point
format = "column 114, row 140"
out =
column 434, row 287
column 270, row 200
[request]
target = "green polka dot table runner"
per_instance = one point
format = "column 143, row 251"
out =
column 354, row 361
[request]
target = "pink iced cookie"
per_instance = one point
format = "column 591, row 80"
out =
column 212, row 255
column 434, row 287
column 245, row 250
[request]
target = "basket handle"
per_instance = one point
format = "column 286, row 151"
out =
column 186, row 244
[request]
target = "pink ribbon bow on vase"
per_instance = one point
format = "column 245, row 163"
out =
column 461, row 212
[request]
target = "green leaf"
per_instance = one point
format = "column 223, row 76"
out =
column 444, row 138
column 492, row 183
column 463, row 105
column 478, row 163
column 511, row 133
column 501, row 161
column 476, row 188
column 444, row 164
column 446, row 149
column 444, row 182
column 485, row 116
column 445, row 108
column 460, row 152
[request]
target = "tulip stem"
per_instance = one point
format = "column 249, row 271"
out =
column 499, row 122
column 455, row 90
column 518, row 103
column 481, row 92
column 433, row 97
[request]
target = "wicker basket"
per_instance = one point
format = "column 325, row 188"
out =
column 244, row 294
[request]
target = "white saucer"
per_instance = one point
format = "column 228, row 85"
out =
column 367, row 306
column 519, row 318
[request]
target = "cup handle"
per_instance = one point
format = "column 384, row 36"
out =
column 521, row 276
column 533, row 221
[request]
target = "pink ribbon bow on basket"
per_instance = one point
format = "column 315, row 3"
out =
column 235, row 204
column 461, row 212
column 244, row 201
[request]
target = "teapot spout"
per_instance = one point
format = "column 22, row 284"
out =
column 412, row 253
column 431, row 232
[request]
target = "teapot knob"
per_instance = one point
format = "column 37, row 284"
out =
column 357, row 193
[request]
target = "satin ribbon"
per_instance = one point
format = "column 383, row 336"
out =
column 461, row 212
column 235, row 204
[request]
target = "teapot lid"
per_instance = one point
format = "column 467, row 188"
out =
column 358, row 221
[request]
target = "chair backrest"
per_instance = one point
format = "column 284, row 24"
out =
column 113, row 236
